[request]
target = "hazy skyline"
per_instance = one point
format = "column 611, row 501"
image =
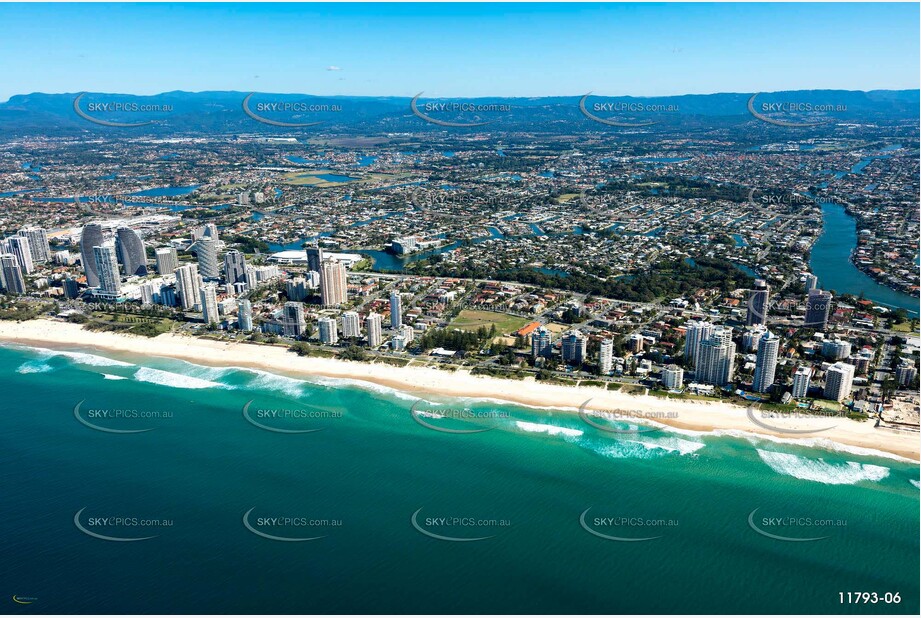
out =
column 459, row 50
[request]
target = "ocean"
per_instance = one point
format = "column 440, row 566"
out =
column 213, row 504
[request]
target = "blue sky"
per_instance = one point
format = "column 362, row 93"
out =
column 458, row 50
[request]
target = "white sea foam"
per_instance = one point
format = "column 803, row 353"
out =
column 821, row 471
column 552, row 430
column 175, row 380
column 757, row 439
column 369, row 386
column 642, row 448
column 34, row 367
column 109, row 376
column 277, row 383
column 915, row 483
column 84, row 358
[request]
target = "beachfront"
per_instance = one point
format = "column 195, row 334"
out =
column 691, row 415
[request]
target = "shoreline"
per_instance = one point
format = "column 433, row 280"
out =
column 712, row 417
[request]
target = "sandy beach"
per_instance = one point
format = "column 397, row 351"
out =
column 692, row 415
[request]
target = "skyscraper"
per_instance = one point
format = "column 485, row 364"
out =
column 314, row 258
column 90, row 237
column 606, row 356
column 697, row 333
column 801, row 381
column 541, row 342
column 110, row 283
column 11, row 273
column 244, row 315
column 758, row 300
column 351, row 326
column 715, row 362
column 333, row 283
column 766, row 362
column 297, row 289
column 22, row 249
column 329, row 333
column 396, row 310
column 130, row 249
column 206, row 249
column 234, row 266
column 209, row 305
column 188, row 284
column 673, row 377
column 574, row 344
column 839, row 378
column 293, row 319
column 811, row 282
column 148, row 293
column 818, row 304
column 167, row 260
column 373, row 326
column 38, row 243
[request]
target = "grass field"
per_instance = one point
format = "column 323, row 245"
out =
column 470, row 321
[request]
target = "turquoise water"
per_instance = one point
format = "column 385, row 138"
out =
column 830, row 262
column 371, row 467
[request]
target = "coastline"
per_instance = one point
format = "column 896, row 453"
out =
column 689, row 415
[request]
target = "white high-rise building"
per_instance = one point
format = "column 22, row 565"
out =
column 351, row 325
column 606, row 356
column 22, row 249
column 801, row 381
column 836, row 349
column 696, row 333
column 110, row 283
column 715, row 363
column 208, row 265
column 766, row 363
column 396, row 310
column 188, row 284
column 244, row 314
column 148, row 293
column 329, row 333
column 333, row 283
column 209, row 304
column 167, row 260
column 839, row 378
column 373, row 326
column 752, row 337
column 811, row 282
column 38, row 243
column 541, row 342
column 673, row 377
column 408, row 333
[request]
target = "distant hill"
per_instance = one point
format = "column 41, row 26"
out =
column 222, row 111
